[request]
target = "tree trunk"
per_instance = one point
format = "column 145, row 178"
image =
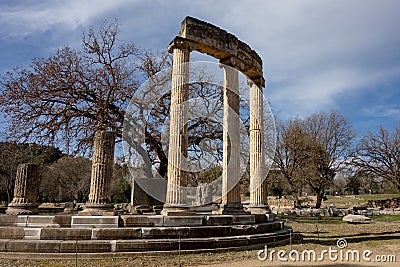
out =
column 320, row 197
column 296, row 204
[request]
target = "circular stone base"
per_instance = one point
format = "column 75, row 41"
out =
column 22, row 209
column 139, row 233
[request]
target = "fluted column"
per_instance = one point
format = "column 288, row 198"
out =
column 26, row 190
column 231, row 202
column 176, row 202
column 99, row 202
column 258, row 188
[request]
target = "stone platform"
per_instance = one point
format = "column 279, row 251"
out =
column 137, row 233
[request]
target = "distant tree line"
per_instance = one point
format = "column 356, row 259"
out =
column 318, row 154
column 63, row 177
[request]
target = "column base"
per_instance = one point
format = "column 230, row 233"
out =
column 22, row 209
column 259, row 209
column 140, row 209
column 230, row 209
column 176, row 210
column 98, row 210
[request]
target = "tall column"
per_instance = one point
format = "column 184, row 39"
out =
column 176, row 202
column 26, row 190
column 231, row 202
column 258, row 188
column 99, row 202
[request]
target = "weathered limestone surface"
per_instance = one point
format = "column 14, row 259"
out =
column 207, row 38
column 258, row 185
column 231, row 202
column 99, row 202
column 355, row 219
column 26, row 190
column 234, row 55
column 177, row 154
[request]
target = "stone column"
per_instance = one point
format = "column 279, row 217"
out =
column 99, row 202
column 231, row 202
column 176, row 203
column 26, row 190
column 258, row 188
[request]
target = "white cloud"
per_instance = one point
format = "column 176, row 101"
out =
column 36, row 17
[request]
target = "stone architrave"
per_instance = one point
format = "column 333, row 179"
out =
column 176, row 202
column 26, row 190
column 99, row 202
column 231, row 202
column 258, row 185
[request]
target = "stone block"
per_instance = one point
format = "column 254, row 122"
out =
column 207, row 231
column 8, row 220
column 32, row 233
column 135, row 220
column 12, row 233
column 197, row 243
column 183, row 220
column 116, row 234
column 244, row 219
column 63, row 220
column 94, row 222
column 164, row 232
column 231, row 241
column 34, row 246
column 146, row 245
column 356, row 219
column 267, row 227
column 66, row 234
column 85, row 246
column 157, row 220
column 38, row 221
column 262, row 238
column 218, row 220
column 3, row 245
column 242, row 230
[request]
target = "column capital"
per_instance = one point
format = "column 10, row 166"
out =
column 182, row 43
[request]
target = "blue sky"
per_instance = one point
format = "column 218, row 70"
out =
column 318, row 55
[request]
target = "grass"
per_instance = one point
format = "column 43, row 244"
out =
column 356, row 200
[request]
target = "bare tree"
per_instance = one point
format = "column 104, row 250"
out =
column 330, row 145
column 378, row 154
column 291, row 154
column 65, row 98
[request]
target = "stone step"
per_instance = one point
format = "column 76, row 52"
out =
column 32, row 233
column 94, row 222
column 205, row 244
column 38, row 221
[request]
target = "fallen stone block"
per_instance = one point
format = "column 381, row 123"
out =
column 353, row 218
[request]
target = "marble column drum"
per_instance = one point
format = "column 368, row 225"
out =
column 176, row 202
column 231, row 201
column 258, row 186
column 26, row 190
column 99, row 202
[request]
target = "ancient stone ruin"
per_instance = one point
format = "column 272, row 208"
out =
column 100, row 183
column 26, row 190
column 234, row 55
column 98, row 230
